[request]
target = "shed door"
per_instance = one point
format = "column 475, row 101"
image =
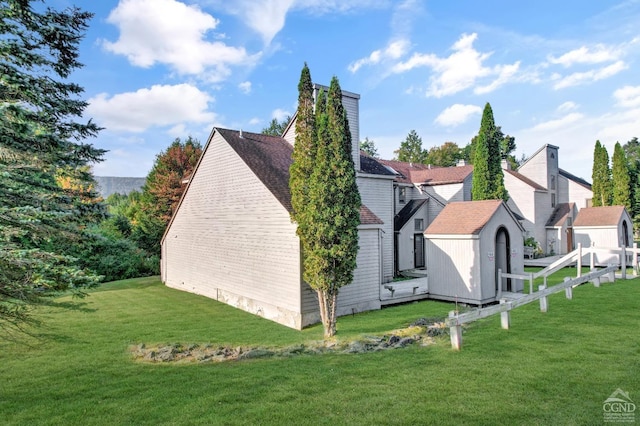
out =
column 503, row 257
column 418, row 251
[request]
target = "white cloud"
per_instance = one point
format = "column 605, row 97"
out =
column 255, row 121
column 280, row 114
column 628, row 96
column 580, row 78
column 173, row 33
column 584, row 55
column 567, row 106
column 245, row 87
column 558, row 123
column 268, row 17
column 160, row 105
column 457, row 114
column 394, row 50
column 460, row 70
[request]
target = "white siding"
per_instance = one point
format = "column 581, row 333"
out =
column 350, row 103
column 363, row 294
column 536, row 167
column 522, row 199
column 377, row 195
column 233, row 241
column 573, row 192
column 451, row 192
column 454, row 268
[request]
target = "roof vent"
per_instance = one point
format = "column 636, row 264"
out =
column 241, row 134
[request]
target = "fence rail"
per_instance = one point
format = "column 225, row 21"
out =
column 456, row 320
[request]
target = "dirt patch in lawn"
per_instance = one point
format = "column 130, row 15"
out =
column 422, row 332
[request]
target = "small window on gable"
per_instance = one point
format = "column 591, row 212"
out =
column 403, row 194
column 552, row 156
column 419, row 224
column 553, row 200
column 552, row 183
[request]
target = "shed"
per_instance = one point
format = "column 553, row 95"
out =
column 467, row 244
column 605, row 227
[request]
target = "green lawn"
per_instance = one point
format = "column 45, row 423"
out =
column 553, row 368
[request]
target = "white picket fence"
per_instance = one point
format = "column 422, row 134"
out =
column 456, row 320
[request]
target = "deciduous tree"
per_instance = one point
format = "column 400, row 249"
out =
column 411, row 149
column 445, row 155
column 369, row 146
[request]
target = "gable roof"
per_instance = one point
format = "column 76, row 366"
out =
column 560, row 214
column 600, row 216
column 464, row 217
column 441, row 175
column 575, row 179
column 542, row 148
column 402, row 169
column 407, row 213
column 525, row 179
column 269, row 158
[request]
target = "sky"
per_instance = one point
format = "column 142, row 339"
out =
column 565, row 73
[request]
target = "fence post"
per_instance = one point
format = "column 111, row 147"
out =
column 530, row 282
column 634, row 262
column 499, row 294
column 569, row 290
column 612, row 276
column 591, row 257
column 623, row 262
column 505, row 319
column 543, row 300
column 579, row 264
column 596, row 280
column 456, row 332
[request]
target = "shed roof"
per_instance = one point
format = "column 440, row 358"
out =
column 269, row 158
column 599, row 216
column 407, row 213
column 464, row 217
column 560, row 214
column 576, row 179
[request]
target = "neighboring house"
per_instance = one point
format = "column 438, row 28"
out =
column 232, row 239
column 108, row 185
column 467, row 244
column 608, row 227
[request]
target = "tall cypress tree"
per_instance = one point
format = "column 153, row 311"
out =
column 488, row 177
column 304, row 152
column 601, row 176
column 331, row 213
column 40, row 138
column 621, row 178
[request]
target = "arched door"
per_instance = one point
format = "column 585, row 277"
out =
column 503, row 258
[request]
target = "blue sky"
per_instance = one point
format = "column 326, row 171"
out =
column 559, row 72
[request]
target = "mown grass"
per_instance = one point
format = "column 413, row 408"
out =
column 553, row 368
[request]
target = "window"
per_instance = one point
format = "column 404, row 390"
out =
column 552, row 183
column 418, row 224
column 553, row 200
column 403, row 195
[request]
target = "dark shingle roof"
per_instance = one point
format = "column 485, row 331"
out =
column 559, row 214
column 599, row 216
column 575, row 178
column 402, row 169
column 269, row 158
column 441, row 175
column 463, row 217
column 372, row 166
column 407, row 213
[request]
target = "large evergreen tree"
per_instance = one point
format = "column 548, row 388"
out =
column 276, row 128
column 488, row 177
column 621, row 180
column 40, row 141
column 632, row 152
column 601, row 176
column 411, row 149
column 326, row 201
